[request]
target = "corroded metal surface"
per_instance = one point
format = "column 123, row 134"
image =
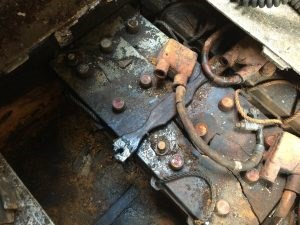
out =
column 110, row 80
column 118, row 76
column 225, row 139
column 29, row 211
column 284, row 157
column 276, row 28
column 192, row 192
column 27, row 26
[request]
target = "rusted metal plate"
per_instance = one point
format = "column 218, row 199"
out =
column 110, row 80
column 235, row 144
column 192, row 194
column 27, row 206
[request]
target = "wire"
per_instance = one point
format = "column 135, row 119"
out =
column 265, row 122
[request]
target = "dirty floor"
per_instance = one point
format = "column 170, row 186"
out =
column 69, row 168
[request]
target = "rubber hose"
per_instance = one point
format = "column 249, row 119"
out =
column 296, row 5
column 270, row 3
column 262, row 3
column 235, row 166
column 217, row 79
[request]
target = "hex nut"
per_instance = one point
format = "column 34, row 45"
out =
column 252, row 176
column 106, row 45
column 83, row 70
column 132, row 26
column 145, row 81
column 118, row 105
column 226, row 104
column 222, row 207
column 176, row 162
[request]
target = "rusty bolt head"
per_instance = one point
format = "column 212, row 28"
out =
column 106, row 45
column 145, row 81
column 118, row 105
column 222, row 207
column 252, row 176
column 226, row 104
column 176, row 162
column 132, row 26
column 161, row 147
column 83, row 70
column 201, row 129
column 72, row 59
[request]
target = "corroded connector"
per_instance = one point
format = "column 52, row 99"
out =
column 284, row 157
column 177, row 57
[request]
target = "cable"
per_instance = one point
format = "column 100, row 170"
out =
column 217, row 79
column 235, row 166
column 265, row 122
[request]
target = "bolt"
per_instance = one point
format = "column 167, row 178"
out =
column 222, row 207
column 72, row 59
column 252, row 176
column 132, row 26
column 118, row 105
column 176, row 162
column 161, row 147
column 226, row 104
column 106, row 45
column 201, row 129
column 83, row 70
column 145, row 81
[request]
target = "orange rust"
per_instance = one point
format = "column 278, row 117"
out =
column 201, row 129
column 286, row 203
column 247, row 53
column 284, row 156
column 226, row 104
column 252, row 176
column 177, row 57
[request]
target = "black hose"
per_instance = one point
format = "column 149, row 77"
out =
column 235, row 166
column 262, row 3
column 270, row 3
column 296, row 5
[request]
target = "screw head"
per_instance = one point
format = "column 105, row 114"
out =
column 118, row 105
column 83, row 70
column 222, row 207
column 201, row 129
column 72, row 59
column 252, row 176
column 132, row 26
column 226, row 104
column 106, row 45
column 145, row 81
column 176, row 162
